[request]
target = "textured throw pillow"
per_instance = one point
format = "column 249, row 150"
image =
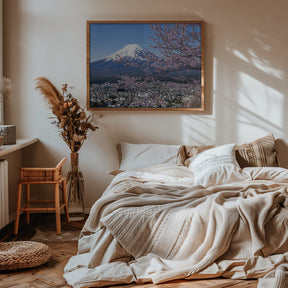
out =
column 216, row 166
column 186, row 152
column 259, row 153
column 134, row 156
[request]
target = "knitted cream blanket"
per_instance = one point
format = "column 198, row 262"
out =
column 175, row 230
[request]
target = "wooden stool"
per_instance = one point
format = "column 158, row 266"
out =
column 42, row 176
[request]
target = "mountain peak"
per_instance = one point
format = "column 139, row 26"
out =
column 130, row 51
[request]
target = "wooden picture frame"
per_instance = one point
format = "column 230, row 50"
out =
column 149, row 66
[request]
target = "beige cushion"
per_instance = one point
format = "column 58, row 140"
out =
column 259, row 153
column 185, row 152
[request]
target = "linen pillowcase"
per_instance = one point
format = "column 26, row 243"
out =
column 135, row 156
column 185, row 153
column 259, row 153
column 216, row 166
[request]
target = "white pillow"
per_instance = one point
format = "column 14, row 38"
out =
column 216, row 166
column 136, row 156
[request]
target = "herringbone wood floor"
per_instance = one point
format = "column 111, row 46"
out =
column 49, row 275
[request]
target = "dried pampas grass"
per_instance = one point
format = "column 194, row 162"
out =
column 51, row 94
column 71, row 117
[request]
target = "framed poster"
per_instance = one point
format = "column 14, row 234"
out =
column 145, row 66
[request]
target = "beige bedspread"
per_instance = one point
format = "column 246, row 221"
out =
column 155, row 225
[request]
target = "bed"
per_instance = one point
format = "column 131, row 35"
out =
column 188, row 212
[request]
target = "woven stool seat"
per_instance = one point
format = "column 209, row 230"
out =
column 52, row 176
column 23, row 254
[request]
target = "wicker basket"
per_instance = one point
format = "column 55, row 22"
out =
column 23, row 254
column 9, row 134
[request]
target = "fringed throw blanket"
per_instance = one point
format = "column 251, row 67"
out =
column 155, row 225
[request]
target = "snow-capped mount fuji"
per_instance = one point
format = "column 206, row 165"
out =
column 131, row 52
column 131, row 60
column 115, row 65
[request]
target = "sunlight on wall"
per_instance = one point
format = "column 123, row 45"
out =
column 239, row 54
column 258, row 107
column 264, row 65
column 248, row 112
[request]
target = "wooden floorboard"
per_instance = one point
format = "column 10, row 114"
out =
column 50, row 275
column 212, row 283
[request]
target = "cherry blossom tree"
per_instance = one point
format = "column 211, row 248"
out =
column 178, row 46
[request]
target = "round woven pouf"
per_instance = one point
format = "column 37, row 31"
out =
column 23, row 254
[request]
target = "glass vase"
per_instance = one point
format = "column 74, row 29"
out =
column 75, row 188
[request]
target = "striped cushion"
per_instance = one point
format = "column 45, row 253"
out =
column 259, row 153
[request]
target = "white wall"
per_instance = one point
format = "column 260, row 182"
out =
column 1, row 59
column 246, row 75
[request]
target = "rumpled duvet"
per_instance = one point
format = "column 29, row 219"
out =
column 155, row 225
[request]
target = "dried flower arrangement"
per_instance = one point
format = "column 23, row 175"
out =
column 71, row 117
column 5, row 88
